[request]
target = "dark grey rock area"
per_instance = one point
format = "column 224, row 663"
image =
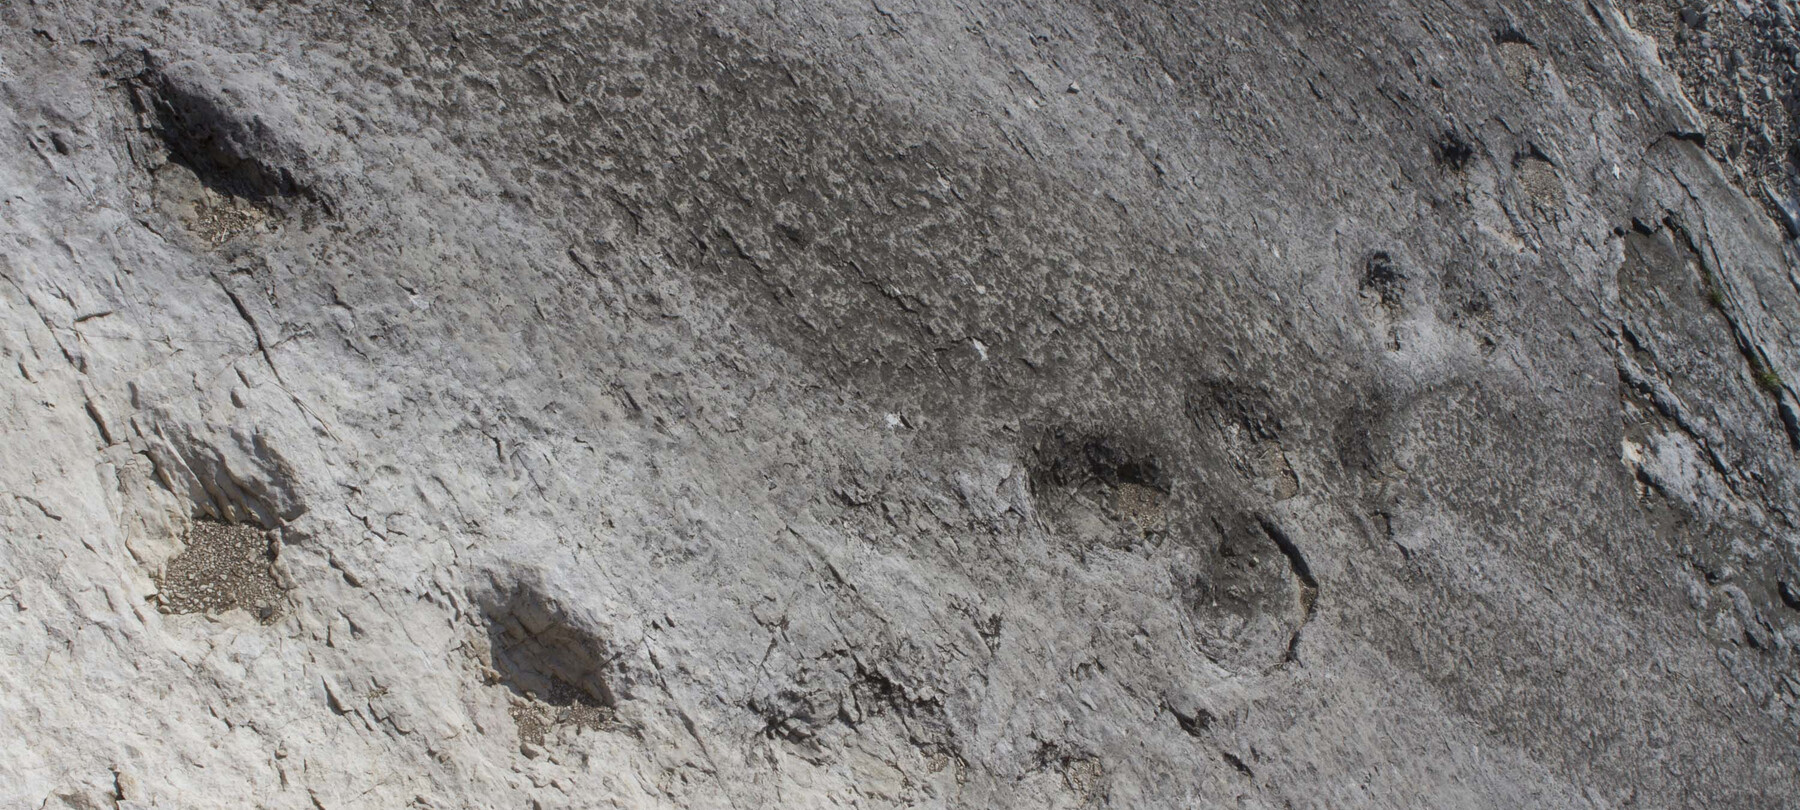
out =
column 888, row 403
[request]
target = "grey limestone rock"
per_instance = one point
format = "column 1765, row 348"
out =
column 899, row 404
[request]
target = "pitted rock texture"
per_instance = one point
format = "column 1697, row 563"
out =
column 898, row 404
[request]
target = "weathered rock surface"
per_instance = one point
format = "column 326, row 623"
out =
column 898, row 403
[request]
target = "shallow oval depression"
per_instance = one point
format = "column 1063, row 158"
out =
column 561, row 674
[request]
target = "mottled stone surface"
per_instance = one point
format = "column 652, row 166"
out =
column 897, row 403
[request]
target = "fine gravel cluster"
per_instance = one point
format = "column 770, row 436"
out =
column 899, row 404
column 221, row 567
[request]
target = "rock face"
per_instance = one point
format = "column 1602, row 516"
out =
column 898, row 403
